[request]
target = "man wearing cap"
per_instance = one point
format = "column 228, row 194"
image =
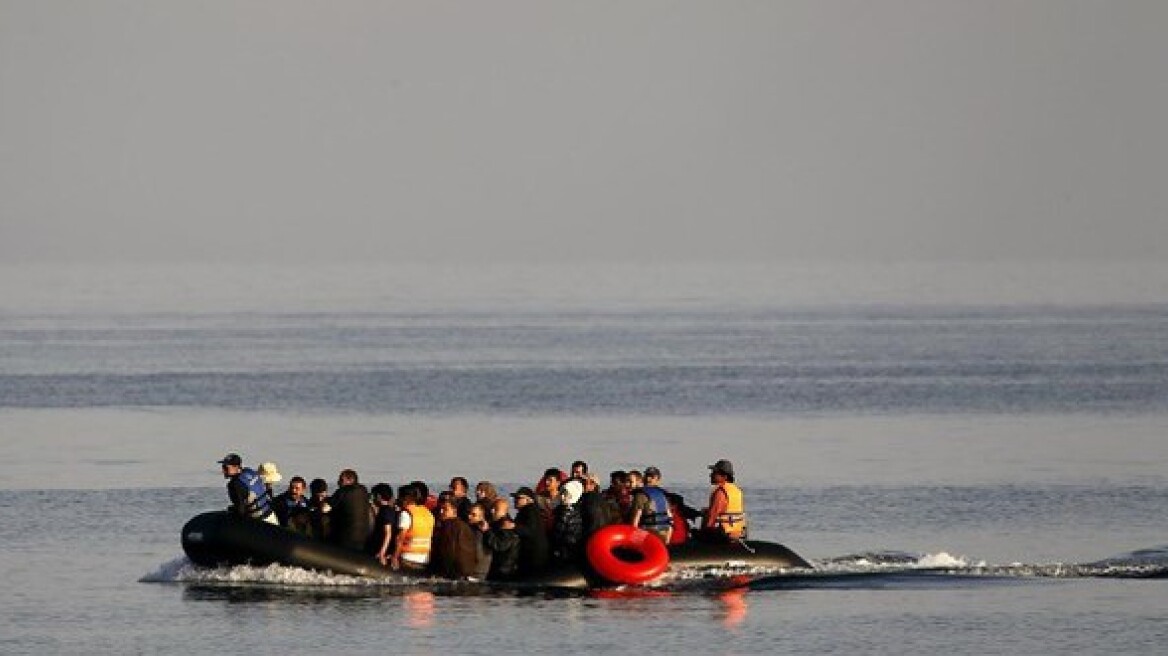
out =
column 726, row 515
column 533, row 535
column 246, row 490
column 650, row 506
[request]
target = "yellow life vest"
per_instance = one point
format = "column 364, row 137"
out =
column 733, row 520
column 420, row 531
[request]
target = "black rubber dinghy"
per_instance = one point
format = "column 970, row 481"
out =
column 213, row 539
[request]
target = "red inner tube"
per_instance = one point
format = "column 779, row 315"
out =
column 603, row 547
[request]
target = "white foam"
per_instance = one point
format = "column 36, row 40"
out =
column 892, row 563
column 182, row 570
column 169, row 572
column 944, row 560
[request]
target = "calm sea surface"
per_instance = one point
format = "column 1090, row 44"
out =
column 975, row 458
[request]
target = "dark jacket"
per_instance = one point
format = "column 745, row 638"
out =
column 252, row 499
column 349, row 519
column 285, row 506
column 547, row 511
column 533, row 540
column 568, row 534
column 620, row 500
column 318, row 520
column 239, row 495
column 504, row 547
column 453, row 554
column 384, row 520
column 597, row 512
column 483, row 555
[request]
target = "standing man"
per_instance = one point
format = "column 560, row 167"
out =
column 246, row 491
column 533, row 533
column 351, row 518
column 384, row 523
column 725, row 517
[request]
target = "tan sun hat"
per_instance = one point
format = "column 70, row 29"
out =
column 270, row 473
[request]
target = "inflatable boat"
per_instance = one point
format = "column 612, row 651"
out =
column 617, row 555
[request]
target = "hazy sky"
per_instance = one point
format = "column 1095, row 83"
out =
column 760, row 130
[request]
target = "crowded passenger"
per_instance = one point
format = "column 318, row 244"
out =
column 533, row 534
column 637, row 501
column 650, row 506
column 415, row 530
column 486, row 494
column 318, row 509
column 500, row 509
column 291, row 501
column 568, row 530
column 618, row 492
column 725, row 517
column 485, row 491
column 460, row 488
column 579, row 470
column 596, row 511
column 350, row 515
column 246, row 491
column 477, row 520
column 384, row 523
column 453, row 553
column 426, row 499
column 547, row 496
column 502, row 540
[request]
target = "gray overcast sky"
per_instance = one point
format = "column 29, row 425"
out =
column 583, row 130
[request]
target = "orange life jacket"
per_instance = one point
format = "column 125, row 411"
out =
column 420, row 532
column 733, row 520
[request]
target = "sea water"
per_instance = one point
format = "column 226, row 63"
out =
column 974, row 457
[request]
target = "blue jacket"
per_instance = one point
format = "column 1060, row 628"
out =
column 249, row 496
column 659, row 519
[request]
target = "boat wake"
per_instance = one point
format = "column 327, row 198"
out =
column 901, row 569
